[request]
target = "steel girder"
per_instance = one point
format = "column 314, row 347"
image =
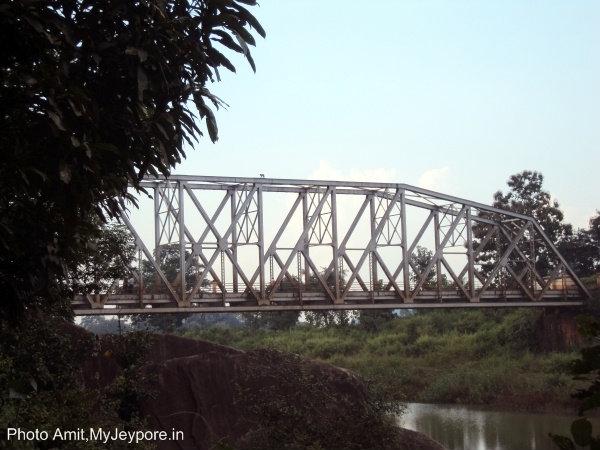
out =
column 416, row 249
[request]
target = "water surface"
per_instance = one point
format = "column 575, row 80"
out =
column 463, row 427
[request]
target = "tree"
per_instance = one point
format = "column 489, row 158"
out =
column 212, row 320
column 525, row 196
column 100, row 325
column 374, row 320
column 580, row 251
column 96, row 95
column 271, row 320
column 276, row 320
column 420, row 259
column 168, row 260
column 106, row 257
column 594, row 235
column 329, row 318
column 595, row 231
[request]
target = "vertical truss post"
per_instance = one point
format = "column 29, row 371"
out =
column 181, row 224
column 470, row 259
column 370, row 265
column 335, row 247
column 157, row 231
column 156, row 222
column 531, row 264
column 261, row 244
column 234, row 237
column 140, row 277
column 405, row 252
column 223, row 291
column 341, row 263
column 306, row 243
column 438, row 263
column 372, row 259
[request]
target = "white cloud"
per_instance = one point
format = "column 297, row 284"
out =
column 578, row 216
column 325, row 171
column 435, row 179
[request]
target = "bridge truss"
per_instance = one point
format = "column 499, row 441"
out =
column 253, row 244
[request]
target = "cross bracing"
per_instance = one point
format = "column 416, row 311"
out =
column 251, row 244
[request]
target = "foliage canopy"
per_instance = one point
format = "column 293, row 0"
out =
column 96, row 95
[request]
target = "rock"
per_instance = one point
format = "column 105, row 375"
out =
column 221, row 397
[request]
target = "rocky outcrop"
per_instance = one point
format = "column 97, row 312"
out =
column 225, row 398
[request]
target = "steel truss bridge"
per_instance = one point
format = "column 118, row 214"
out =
column 261, row 244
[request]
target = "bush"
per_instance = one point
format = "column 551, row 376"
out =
column 41, row 381
column 468, row 385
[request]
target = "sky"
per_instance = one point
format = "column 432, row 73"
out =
column 454, row 96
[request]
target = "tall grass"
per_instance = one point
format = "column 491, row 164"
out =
column 476, row 356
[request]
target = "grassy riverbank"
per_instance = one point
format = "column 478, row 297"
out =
column 475, row 357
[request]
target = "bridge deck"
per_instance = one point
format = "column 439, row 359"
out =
column 125, row 304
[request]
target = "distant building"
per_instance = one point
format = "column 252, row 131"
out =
column 562, row 282
column 566, row 282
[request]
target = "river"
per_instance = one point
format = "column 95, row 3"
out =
column 463, row 427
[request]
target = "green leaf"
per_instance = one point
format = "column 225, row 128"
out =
column 211, row 124
column 220, row 59
column 227, row 41
column 248, row 17
column 57, row 120
column 245, row 49
column 233, row 23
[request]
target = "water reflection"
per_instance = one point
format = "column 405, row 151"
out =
column 474, row 428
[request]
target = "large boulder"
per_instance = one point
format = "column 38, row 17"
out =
column 220, row 397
